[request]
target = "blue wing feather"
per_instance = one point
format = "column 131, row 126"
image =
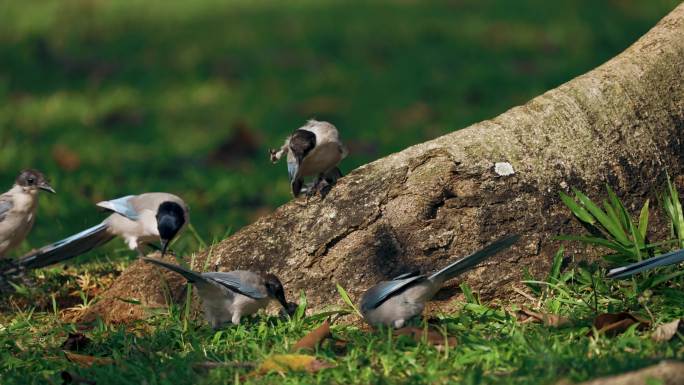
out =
column 122, row 206
column 379, row 293
column 233, row 282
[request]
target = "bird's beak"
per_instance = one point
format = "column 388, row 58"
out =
column 46, row 187
column 283, row 303
column 164, row 246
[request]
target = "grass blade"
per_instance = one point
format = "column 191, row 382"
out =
column 347, row 300
column 576, row 209
column 613, row 228
column 643, row 220
column 555, row 272
column 468, row 293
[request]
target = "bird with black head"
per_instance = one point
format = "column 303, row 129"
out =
column 137, row 219
column 313, row 150
column 229, row 296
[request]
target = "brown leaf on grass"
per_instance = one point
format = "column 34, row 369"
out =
column 613, row 324
column 66, row 158
column 314, row 338
column 430, row 336
column 283, row 363
column 665, row 332
column 75, row 342
column 87, row 361
column 526, row 315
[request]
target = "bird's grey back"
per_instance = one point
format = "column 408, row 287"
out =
column 379, row 293
column 151, row 201
column 243, row 281
column 325, row 132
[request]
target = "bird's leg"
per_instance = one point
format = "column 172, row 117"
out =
column 314, row 188
column 140, row 247
column 236, row 318
column 297, row 185
column 331, row 176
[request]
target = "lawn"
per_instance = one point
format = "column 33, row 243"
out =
column 111, row 98
column 487, row 343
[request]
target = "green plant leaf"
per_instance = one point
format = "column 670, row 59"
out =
column 666, row 277
column 529, row 278
column 597, row 241
column 611, row 227
column 468, row 293
column 301, row 307
column 620, row 210
column 613, row 215
column 673, row 208
column 347, row 300
column 576, row 209
column 643, row 220
column 554, row 274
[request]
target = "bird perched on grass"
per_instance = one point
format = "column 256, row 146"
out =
column 670, row 258
column 228, row 296
column 393, row 303
column 312, row 150
column 137, row 219
column 18, row 209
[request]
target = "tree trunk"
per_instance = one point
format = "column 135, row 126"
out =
column 619, row 124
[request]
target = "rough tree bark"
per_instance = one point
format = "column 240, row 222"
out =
column 621, row 123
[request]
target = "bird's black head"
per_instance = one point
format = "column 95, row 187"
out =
column 170, row 219
column 275, row 290
column 33, row 180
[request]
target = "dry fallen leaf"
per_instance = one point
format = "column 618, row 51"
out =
column 314, row 338
column 75, row 342
column 431, row 336
column 526, row 315
column 283, row 363
column 665, row 332
column 87, row 361
column 613, row 324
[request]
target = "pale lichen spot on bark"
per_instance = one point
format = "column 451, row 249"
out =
column 503, row 169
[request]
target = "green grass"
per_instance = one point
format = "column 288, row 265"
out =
column 493, row 346
column 142, row 93
column 117, row 97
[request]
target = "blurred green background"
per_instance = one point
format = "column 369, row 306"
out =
column 116, row 97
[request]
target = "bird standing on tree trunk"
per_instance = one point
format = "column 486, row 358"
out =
column 312, row 150
column 227, row 296
column 137, row 219
column 18, row 209
column 395, row 302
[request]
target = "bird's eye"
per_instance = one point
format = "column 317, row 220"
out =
column 31, row 181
